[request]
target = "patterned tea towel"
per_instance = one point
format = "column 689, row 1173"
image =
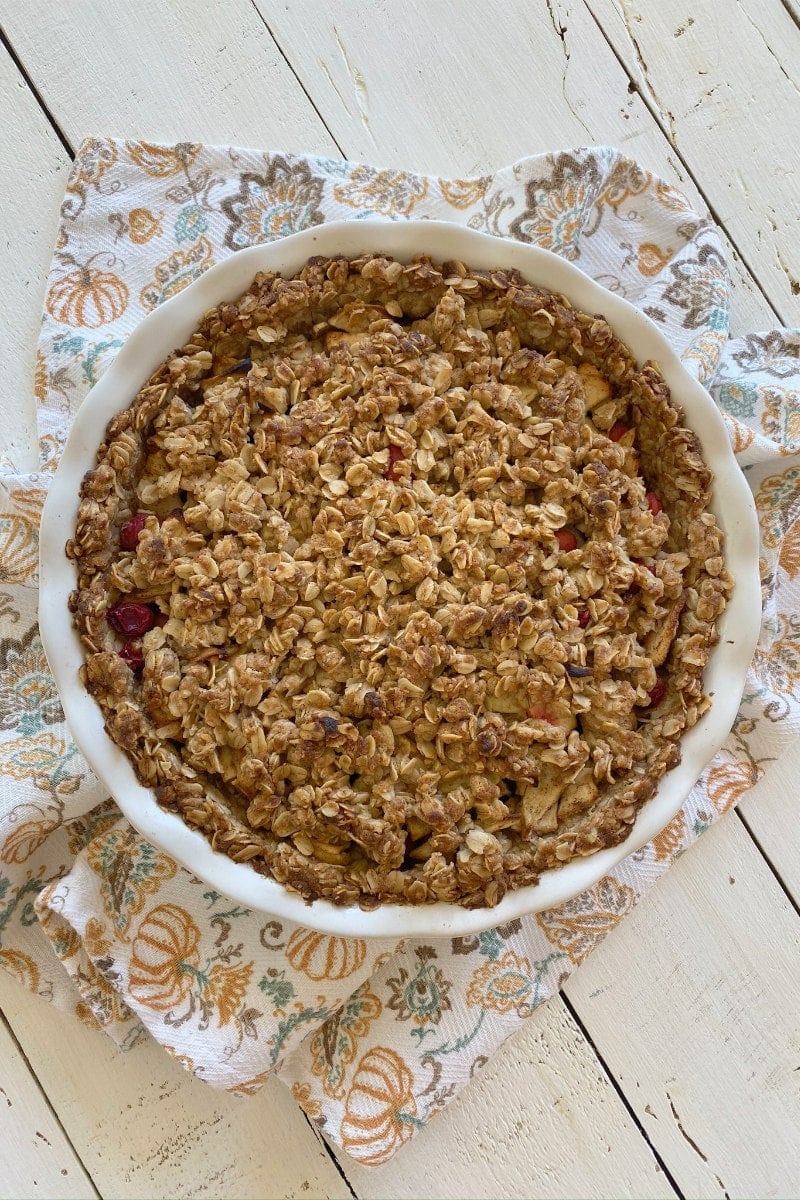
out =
column 372, row 1037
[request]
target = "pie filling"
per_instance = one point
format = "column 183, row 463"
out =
column 398, row 581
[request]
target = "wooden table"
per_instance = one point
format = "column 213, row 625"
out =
column 670, row 1066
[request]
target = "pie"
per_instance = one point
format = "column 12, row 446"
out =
column 398, row 581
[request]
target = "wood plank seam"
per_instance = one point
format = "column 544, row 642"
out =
column 34, row 91
column 20, row 1050
column 331, row 1154
column 776, row 873
column 650, row 100
column 623, row 1098
column 302, row 86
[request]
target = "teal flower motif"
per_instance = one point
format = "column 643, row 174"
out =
column 28, row 697
column 740, row 398
column 422, row 997
column 279, row 990
column 190, row 224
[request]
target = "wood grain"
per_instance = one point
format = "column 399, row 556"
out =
column 541, row 1120
column 143, row 1127
column 692, row 1004
column 729, row 112
column 33, row 168
column 399, row 88
column 43, row 1161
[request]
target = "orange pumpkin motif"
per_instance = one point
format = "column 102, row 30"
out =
column 142, row 225
column 162, row 161
column 165, row 957
column 321, row 957
column 381, row 1110
column 728, row 781
column 87, row 297
column 22, row 967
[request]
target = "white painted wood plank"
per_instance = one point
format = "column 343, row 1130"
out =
column 36, row 1158
column 541, row 1120
column 33, row 173
column 770, row 810
column 692, row 1002
column 459, row 90
column 189, row 70
column 732, row 110
column 143, row 1127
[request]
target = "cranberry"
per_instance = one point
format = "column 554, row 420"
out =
column 131, row 620
column 618, row 430
column 584, row 616
column 395, row 456
column 129, row 533
column 132, row 654
column 540, row 713
column 160, row 620
column 657, row 694
column 653, row 503
column 566, row 540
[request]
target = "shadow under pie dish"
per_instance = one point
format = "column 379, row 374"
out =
column 400, row 578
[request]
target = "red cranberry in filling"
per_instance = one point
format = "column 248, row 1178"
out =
column 129, row 533
column 131, row 620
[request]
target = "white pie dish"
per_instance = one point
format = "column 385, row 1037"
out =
column 168, row 327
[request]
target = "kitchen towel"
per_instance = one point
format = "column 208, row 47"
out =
column 373, row 1037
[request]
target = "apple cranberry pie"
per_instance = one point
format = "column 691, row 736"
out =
column 398, row 581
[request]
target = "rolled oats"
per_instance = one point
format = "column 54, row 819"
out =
column 431, row 575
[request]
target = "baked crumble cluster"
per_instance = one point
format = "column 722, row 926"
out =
column 398, row 581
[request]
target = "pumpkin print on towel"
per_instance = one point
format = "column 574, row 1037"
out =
column 87, row 296
column 165, row 958
column 321, row 957
column 381, row 1111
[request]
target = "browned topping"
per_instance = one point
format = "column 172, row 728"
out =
column 391, row 588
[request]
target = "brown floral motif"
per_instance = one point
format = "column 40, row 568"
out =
column 87, row 297
column 463, row 193
column 381, row 1110
column 421, row 997
column 129, row 870
column 780, row 419
column 671, row 197
column 165, row 958
column 283, row 200
column 502, row 985
column 227, row 988
column 28, row 696
column 558, row 206
column 163, row 161
column 22, row 967
column 627, row 179
column 700, row 287
column 776, row 353
column 393, row 193
column 176, row 272
column 777, row 664
column 667, row 843
column 95, row 157
column 579, row 925
column 333, row 1046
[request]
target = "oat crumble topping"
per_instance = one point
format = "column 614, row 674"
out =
column 398, row 581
